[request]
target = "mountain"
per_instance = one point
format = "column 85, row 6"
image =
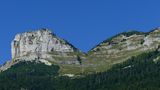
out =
column 43, row 61
column 37, row 45
column 121, row 47
column 44, row 46
column 137, row 73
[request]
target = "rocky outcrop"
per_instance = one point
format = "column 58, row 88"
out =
column 125, row 45
column 38, row 44
column 42, row 46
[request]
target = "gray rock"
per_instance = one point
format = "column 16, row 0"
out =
column 121, row 46
column 38, row 44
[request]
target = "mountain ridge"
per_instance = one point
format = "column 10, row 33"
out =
column 123, row 33
column 111, row 51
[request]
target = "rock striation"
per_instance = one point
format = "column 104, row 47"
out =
column 44, row 46
column 41, row 46
column 123, row 46
column 38, row 44
column 129, row 41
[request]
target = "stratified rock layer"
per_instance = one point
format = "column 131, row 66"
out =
column 38, row 44
column 41, row 46
column 122, row 47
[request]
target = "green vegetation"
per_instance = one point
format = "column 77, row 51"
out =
column 70, row 69
column 127, row 34
column 137, row 73
column 28, row 75
column 79, row 59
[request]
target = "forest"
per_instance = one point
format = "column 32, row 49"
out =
column 137, row 73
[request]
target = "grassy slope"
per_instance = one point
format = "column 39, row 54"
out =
column 137, row 73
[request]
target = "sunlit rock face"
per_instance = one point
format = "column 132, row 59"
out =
column 127, row 44
column 41, row 46
column 38, row 44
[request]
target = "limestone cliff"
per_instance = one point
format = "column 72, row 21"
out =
column 44, row 46
column 38, row 44
column 41, row 46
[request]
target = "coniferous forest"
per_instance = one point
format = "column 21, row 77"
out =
column 137, row 73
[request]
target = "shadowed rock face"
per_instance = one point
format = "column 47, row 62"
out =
column 38, row 44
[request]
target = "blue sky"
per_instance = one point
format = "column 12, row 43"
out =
column 84, row 23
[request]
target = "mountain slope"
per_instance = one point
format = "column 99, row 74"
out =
column 43, row 46
column 127, row 61
column 46, row 47
column 28, row 76
column 137, row 73
column 121, row 47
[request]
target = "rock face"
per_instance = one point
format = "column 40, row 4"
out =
column 129, row 41
column 38, row 44
column 41, row 46
column 123, row 46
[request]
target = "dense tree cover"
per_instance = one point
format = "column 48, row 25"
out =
column 28, row 75
column 137, row 73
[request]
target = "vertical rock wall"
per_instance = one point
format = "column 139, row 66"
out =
column 38, row 44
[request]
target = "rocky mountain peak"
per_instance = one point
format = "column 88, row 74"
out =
column 44, row 46
column 124, row 45
column 38, row 44
column 41, row 46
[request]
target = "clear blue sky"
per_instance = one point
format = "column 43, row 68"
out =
column 84, row 23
